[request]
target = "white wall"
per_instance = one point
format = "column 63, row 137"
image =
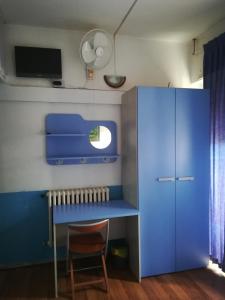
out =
column 23, row 165
column 22, row 141
column 143, row 62
column 2, row 49
column 196, row 65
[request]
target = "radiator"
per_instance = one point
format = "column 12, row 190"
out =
column 77, row 196
column 74, row 196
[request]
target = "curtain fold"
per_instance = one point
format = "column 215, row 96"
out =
column 214, row 79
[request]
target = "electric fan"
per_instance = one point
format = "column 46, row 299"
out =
column 96, row 49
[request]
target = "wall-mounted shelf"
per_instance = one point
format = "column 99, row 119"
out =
column 81, row 160
column 65, row 134
column 59, row 95
column 68, row 141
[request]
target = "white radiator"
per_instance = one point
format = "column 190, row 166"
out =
column 77, row 196
column 74, row 196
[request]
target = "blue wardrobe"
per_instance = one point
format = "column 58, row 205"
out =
column 165, row 146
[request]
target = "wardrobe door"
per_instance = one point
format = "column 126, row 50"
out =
column 192, row 178
column 156, row 173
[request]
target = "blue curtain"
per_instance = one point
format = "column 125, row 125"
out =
column 214, row 79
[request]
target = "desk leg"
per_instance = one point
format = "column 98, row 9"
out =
column 55, row 261
column 133, row 236
column 139, row 248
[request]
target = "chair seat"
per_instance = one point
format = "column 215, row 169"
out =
column 86, row 243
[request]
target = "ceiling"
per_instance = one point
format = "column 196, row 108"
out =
column 179, row 20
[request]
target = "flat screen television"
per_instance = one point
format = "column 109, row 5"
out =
column 38, row 62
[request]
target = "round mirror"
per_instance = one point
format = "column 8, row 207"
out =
column 100, row 137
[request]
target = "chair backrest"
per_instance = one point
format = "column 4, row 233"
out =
column 89, row 227
column 86, row 228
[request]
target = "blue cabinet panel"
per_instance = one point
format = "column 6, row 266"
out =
column 192, row 173
column 172, row 159
column 156, row 162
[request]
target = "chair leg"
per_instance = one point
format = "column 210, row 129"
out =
column 105, row 273
column 72, row 278
column 67, row 262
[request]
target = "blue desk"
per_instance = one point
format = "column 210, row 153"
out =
column 65, row 214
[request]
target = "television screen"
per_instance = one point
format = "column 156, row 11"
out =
column 38, row 62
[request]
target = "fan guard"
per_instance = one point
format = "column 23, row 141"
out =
column 96, row 49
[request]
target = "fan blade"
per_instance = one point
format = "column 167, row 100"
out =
column 100, row 39
column 88, row 54
column 98, row 63
column 102, row 61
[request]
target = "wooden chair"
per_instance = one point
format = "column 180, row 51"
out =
column 87, row 239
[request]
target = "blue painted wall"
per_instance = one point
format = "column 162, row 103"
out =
column 24, row 227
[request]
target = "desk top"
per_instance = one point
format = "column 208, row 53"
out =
column 92, row 211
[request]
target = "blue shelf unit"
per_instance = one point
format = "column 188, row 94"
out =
column 67, row 141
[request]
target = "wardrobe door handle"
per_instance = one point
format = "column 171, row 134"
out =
column 163, row 179
column 185, row 178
